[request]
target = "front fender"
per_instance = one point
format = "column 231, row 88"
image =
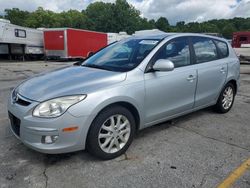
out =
column 97, row 101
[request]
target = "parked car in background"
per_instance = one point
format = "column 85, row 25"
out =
column 241, row 44
column 125, row 87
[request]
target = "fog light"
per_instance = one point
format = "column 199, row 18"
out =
column 49, row 139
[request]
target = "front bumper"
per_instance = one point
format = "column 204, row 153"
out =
column 30, row 130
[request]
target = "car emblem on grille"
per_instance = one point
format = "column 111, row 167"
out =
column 15, row 97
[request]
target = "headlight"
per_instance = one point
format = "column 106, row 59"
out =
column 56, row 107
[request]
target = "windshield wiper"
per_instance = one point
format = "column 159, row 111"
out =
column 95, row 66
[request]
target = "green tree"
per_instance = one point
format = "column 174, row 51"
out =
column 193, row 27
column 228, row 30
column 72, row 18
column 208, row 27
column 116, row 17
column 99, row 17
column 242, row 24
column 145, row 24
column 16, row 16
column 126, row 17
column 42, row 18
column 162, row 24
column 180, row 26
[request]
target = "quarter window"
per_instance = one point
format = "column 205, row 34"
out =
column 223, row 48
column 176, row 51
column 205, row 49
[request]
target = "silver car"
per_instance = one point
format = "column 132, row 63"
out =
column 125, row 87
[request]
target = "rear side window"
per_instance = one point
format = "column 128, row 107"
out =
column 205, row 49
column 222, row 47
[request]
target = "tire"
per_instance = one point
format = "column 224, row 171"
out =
column 113, row 129
column 220, row 106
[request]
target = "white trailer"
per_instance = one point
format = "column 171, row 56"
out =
column 148, row 32
column 113, row 37
column 18, row 41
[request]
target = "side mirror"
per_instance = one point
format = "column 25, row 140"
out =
column 163, row 65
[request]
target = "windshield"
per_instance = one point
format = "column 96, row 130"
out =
column 122, row 56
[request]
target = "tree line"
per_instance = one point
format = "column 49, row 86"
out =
column 116, row 17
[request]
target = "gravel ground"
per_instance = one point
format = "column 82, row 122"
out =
column 196, row 150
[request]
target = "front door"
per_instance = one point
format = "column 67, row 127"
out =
column 170, row 93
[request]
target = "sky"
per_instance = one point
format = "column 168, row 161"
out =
column 173, row 10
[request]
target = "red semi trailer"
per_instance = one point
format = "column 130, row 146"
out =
column 241, row 44
column 67, row 43
column 240, row 39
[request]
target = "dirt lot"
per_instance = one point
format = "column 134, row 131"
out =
column 197, row 150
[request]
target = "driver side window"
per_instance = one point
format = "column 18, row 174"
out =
column 177, row 51
column 122, row 52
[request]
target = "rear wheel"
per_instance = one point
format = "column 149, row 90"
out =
column 111, row 133
column 226, row 99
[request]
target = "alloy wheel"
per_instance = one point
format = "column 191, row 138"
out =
column 227, row 99
column 114, row 133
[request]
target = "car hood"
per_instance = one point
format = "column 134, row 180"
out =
column 68, row 81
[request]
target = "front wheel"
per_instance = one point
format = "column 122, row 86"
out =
column 111, row 133
column 226, row 99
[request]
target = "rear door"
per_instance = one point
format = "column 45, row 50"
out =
column 212, row 70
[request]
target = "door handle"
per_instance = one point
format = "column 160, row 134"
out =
column 191, row 78
column 222, row 70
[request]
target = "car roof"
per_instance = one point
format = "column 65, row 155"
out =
column 163, row 35
column 152, row 36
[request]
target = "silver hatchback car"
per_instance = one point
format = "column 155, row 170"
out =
column 125, row 87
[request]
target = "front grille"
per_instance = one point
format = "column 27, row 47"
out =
column 18, row 99
column 15, row 124
column 23, row 102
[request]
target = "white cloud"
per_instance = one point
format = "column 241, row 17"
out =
column 54, row 5
column 174, row 10
column 193, row 10
column 242, row 10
